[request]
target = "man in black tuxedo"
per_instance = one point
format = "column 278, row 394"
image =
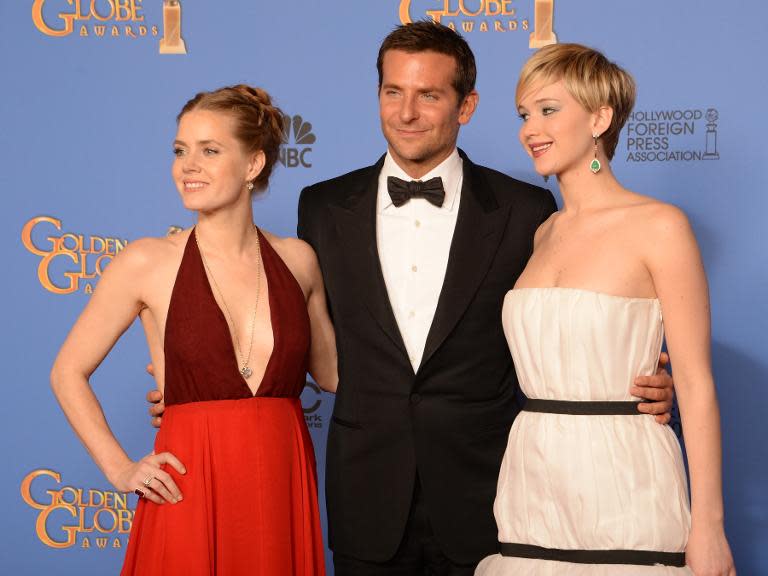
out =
column 416, row 273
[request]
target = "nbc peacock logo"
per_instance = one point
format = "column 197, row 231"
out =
column 297, row 140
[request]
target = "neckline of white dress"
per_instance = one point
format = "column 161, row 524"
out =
column 583, row 291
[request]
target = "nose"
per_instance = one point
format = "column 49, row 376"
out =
column 409, row 110
column 528, row 130
column 189, row 162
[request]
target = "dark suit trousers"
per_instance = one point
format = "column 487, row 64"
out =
column 419, row 553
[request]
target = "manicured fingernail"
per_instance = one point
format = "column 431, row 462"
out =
column 180, row 498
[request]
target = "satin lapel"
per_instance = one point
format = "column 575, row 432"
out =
column 356, row 225
column 479, row 228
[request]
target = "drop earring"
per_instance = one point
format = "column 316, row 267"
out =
column 595, row 164
column 249, row 186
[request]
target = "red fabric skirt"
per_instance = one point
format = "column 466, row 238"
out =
column 249, row 495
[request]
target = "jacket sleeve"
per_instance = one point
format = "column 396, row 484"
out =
column 303, row 228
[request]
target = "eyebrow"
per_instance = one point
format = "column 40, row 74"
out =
column 540, row 100
column 201, row 142
column 420, row 90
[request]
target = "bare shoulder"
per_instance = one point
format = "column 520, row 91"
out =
column 298, row 256
column 656, row 230
column 151, row 252
column 657, row 217
column 292, row 249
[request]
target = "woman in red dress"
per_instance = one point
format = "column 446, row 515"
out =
column 235, row 317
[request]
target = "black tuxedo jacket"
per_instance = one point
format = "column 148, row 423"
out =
column 449, row 421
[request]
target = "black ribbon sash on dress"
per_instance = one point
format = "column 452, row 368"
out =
column 598, row 408
column 636, row 557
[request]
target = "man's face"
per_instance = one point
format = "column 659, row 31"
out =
column 420, row 109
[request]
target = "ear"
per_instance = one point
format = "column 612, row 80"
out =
column 255, row 165
column 468, row 107
column 601, row 119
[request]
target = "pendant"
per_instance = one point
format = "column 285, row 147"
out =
column 246, row 372
column 595, row 166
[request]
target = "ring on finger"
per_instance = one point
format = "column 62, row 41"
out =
column 139, row 492
column 148, row 480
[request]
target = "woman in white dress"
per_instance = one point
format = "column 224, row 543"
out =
column 588, row 484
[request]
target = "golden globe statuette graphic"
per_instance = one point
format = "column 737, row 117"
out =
column 711, row 152
column 171, row 42
column 543, row 34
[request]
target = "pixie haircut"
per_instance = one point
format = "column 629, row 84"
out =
column 590, row 78
column 428, row 36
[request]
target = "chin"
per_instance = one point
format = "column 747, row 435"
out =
column 195, row 204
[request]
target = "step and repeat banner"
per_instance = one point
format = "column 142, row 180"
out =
column 89, row 92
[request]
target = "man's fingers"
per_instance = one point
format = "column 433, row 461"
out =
column 157, row 409
column 151, row 369
column 656, row 381
column 157, row 421
column 663, row 360
column 663, row 418
column 654, row 394
column 654, row 407
column 154, row 396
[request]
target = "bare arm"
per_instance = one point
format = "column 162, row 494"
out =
column 302, row 261
column 322, row 356
column 110, row 311
column 680, row 282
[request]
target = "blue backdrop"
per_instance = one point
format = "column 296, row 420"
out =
column 88, row 107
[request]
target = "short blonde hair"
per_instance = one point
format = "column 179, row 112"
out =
column 589, row 77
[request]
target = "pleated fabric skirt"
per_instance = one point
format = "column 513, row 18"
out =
column 249, row 494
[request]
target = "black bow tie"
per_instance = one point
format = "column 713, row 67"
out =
column 401, row 190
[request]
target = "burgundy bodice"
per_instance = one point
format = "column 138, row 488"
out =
column 200, row 360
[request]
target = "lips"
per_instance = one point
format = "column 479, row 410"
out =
column 539, row 148
column 409, row 133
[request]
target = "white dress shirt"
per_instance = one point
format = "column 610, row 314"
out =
column 413, row 242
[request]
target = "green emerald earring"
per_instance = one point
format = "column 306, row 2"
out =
column 595, row 164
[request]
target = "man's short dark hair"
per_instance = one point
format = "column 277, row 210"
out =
column 428, row 36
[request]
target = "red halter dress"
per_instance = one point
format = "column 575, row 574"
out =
column 250, row 490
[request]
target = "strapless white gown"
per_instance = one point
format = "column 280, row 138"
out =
column 587, row 482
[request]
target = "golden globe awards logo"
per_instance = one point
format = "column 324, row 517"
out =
column 110, row 18
column 484, row 16
column 68, row 516
column 68, row 262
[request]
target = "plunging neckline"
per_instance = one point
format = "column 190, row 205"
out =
column 223, row 318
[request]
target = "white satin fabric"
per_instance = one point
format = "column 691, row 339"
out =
column 586, row 482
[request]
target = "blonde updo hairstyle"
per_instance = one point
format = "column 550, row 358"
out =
column 258, row 122
column 590, row 78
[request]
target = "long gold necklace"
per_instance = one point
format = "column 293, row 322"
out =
column 245, row 370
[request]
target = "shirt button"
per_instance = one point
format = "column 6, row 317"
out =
column 417, row 223
column 415, row 398
column 414, row 268
column 412, row 314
